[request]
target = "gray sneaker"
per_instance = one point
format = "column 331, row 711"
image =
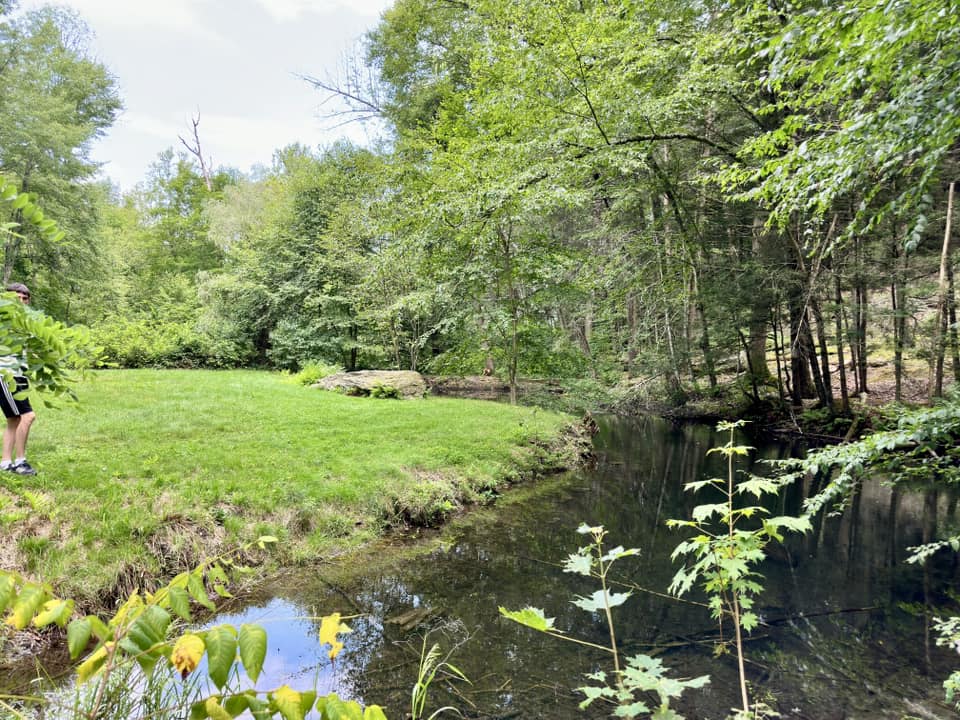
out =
column 23, row 468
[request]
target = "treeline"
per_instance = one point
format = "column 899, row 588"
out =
column 686, row 191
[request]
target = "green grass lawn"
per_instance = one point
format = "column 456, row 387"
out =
column 156, row 469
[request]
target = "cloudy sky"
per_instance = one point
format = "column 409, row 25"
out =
column 236, row 62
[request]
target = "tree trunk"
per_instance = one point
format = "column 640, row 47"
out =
column 826, row 383
column 841, row 363
column 898, row 302
column 799, row 352
column 939, row 345
column 952, row 309
column 860, row 299
column 631, row 333
column 759, row 316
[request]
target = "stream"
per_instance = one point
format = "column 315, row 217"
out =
column 842, row 632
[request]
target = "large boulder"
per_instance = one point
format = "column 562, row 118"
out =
column 407, row 383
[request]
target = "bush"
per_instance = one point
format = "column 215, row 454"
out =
column 384, row 392
column 312, row 372
column 148, row 343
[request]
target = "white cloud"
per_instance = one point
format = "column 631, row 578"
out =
column 286, row 10
column 180, row 16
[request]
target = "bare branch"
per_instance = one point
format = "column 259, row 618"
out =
column 196, row 151
column 353, row 92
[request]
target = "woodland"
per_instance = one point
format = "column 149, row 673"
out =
column 674, row 200
column 674, row 197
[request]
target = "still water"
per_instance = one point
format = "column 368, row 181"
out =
column 844, row 617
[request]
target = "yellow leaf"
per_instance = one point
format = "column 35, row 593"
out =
column 214, row 709
column 288, row 703
column 93, row 663
column 330, row 627
column 186, row 654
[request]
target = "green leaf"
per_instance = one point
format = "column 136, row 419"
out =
column 749, row 621
column 179, row 602
column 287, row 702
column 265, row 540
column 197, row 590
column 374, row 712
column 100, row 628
column 198, row 711
column 796, row 524
column 150, row 628
column 260, row 709
column 221, row 653
column 600, row 600
column 253, row 649
column 530, row 617
column 619, row 552
column 579, row 564
column 215, row 710
column 237, row 704
column 337, row 709
column 8, row 586
column 29, row 600
column 78, row 636
column 91, row 665
column 705, row 512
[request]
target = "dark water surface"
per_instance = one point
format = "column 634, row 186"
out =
column 843, row 633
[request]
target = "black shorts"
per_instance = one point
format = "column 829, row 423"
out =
column 11, row 406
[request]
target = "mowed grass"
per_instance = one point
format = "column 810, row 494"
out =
column 157, row 469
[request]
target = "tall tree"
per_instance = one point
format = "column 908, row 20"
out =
column 55, row 99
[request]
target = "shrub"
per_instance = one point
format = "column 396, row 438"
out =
column 313, row 371
column 384, row 392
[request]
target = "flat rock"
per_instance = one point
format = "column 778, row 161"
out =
column 408, row 383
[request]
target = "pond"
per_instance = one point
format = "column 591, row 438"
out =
column 843, row 632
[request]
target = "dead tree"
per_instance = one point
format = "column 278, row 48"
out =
column 198, row 153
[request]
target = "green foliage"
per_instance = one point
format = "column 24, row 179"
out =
column 385, row 392
column 722, row 554
column 431, row 664
column 136, row 343
column 641, row 674
column 313, row 371
column 51, row 355
column 923, row 447
column 57, row 98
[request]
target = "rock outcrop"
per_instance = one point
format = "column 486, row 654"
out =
column 407, row 383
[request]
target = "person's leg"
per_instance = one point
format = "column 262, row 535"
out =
column 9, row 439
column 22, row 434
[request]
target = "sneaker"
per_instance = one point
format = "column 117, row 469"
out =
column 23, row 468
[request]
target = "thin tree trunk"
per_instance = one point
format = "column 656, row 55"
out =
column 759, row 315
column 826, row 384
column 898, row 302
column 632, row 333
column 952, row 309
column 841, row 363
column 861, row 297
column 939, row 345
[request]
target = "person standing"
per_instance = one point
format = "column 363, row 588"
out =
column 19, row 414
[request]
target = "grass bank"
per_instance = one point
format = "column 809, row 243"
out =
column 155, row 469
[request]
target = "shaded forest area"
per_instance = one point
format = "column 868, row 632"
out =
column 675, row 196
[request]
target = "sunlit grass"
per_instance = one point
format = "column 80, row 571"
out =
column 155, row 468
